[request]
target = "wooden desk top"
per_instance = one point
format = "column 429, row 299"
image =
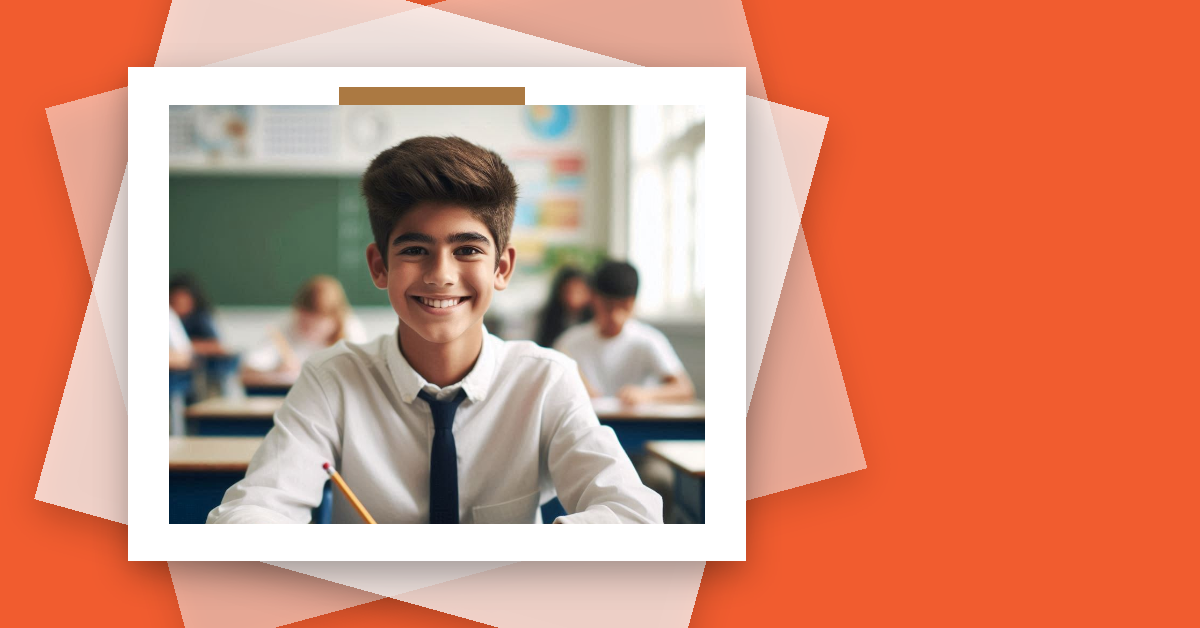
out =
column 685, row 455
column 247, row 408
column 609, row 409
column 212, row 453
column 255, row 379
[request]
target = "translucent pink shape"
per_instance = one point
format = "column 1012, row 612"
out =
column 254, row 595
column 199, row 33
column 800, row 428
column 580, row 595
column 659, row 33
column 86, row 462
column 92, row 155
column 800, row 138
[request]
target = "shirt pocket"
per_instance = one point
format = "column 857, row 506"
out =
column 519, row 510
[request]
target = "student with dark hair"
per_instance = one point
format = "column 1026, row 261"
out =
column 569, row 304
column 440, row 422
column 618, row 355
column 190, row 304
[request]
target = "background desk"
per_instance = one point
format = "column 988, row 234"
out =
column 203, row 468
column 249, row 416
column 635, row 425
column 277, row 384
column 687, row 461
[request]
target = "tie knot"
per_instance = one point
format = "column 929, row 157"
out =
column 443, row 411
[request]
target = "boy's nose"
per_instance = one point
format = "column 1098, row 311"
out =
column 441, row 271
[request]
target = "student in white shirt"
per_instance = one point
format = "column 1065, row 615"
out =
column 441, row 212
column 321, row 316
column 618, row 355
column 181, row 346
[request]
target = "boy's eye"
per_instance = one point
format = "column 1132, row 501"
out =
column 468, row 250
column 412, row 250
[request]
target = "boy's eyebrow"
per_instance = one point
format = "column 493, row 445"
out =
column 469, row 236
column 413, row 236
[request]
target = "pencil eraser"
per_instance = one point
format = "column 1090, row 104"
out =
column 325, row 466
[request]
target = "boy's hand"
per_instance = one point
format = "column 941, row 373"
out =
column 634, row 395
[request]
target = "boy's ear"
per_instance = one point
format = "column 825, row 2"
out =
column 504, row 268
column 378, row 266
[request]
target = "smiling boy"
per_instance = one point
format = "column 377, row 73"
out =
column 440, row 422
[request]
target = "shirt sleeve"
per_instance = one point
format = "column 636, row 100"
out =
column 286, row 479
column 179, row 337
column 662, row 355
column 593, row 476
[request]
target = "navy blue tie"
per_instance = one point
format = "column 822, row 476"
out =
column 443, row 459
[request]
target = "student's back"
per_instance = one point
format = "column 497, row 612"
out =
column 639, row 355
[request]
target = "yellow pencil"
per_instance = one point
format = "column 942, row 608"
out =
column 337, row 479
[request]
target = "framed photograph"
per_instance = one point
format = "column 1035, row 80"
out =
column 333, row 238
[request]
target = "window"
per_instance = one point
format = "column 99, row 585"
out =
column 665, row 217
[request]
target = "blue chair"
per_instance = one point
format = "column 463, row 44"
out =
column 181, row 386
column 222, row 370
column 324, row 513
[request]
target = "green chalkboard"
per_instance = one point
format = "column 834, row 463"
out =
column 254, row 239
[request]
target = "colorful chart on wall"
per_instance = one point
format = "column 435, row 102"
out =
column 549, row 122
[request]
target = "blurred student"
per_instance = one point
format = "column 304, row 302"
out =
column 181, row 347
column 620, row 356
column 569, row 304
column 321, row 316
column 189, row 303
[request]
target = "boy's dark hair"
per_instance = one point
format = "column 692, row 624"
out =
column 440, row 170
column 616, row 280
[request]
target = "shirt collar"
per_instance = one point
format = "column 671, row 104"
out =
column 476, row 383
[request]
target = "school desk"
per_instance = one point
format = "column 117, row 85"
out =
column 202, row 468
column 635, row 425
column 268, row 383
column 686, row 458
column 222, row 416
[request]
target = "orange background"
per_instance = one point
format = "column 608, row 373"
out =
column 1004, row 225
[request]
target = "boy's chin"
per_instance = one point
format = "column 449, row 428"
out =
column 438, row 334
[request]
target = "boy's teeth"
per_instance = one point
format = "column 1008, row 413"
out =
column 439, row 303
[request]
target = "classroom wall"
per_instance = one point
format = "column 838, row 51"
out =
column 253, row 227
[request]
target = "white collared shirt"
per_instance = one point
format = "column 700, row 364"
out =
column 526, row 431
column 638, row 356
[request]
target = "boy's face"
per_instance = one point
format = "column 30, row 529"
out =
column 611, row 313
column 441, row 270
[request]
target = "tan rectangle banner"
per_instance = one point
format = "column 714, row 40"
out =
column 431, row 95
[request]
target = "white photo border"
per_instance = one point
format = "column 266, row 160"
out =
column 722, row 537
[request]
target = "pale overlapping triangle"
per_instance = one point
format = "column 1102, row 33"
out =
column 800, row 426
